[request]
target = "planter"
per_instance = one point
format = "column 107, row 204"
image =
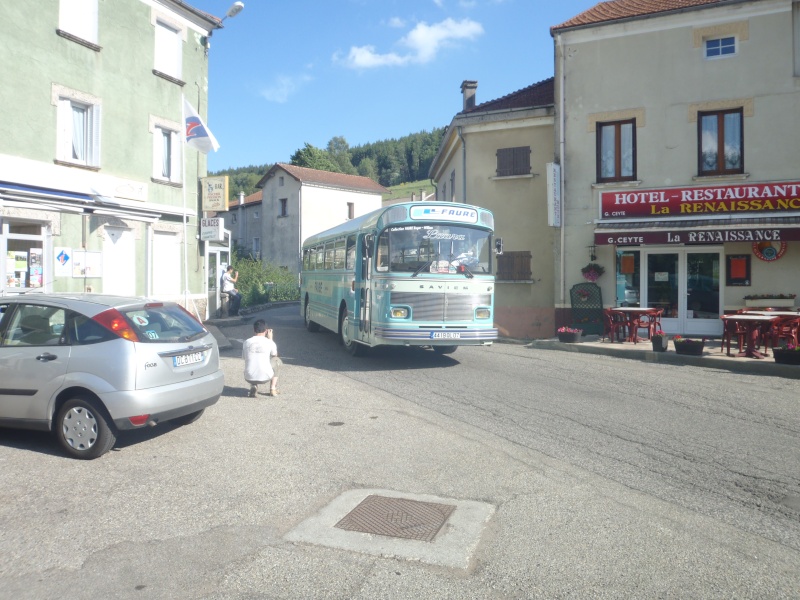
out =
column 786, row 357
column 569, row 337
column 660, row 343
column 689, row 348
column 770, row 303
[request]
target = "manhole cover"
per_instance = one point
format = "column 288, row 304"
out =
column 397, row 517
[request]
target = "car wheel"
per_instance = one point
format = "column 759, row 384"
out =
column 351, row 346
column 444, row 349
column 83, row 430
column 310, row 325
column 188, row 419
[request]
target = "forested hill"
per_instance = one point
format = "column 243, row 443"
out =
column 389, row 162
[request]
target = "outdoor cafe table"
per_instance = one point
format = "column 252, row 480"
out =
column 634, row 315
column 752, row 323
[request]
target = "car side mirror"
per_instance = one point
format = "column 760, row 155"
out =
column 498, row 246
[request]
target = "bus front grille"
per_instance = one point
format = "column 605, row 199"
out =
column 441, row 307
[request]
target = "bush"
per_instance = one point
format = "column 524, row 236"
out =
column 260, row 283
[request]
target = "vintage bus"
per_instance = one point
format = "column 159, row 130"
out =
column 412, row 274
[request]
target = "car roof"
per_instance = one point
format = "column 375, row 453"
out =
column 83, row 302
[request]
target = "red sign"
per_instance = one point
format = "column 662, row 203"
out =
column 696, row 236
column 701, row 202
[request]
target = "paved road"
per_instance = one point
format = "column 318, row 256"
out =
column 608, row 478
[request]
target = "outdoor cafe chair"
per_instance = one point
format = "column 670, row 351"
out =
column 615, row 325
column 785, row 328
column 732, row 330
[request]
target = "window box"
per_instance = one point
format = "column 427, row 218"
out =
column 769, row 303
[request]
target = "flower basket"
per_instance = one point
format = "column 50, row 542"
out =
column 592, row 271
column 569, row 335
column 689, row 347
column 769, row 302
column 660, row 343
column 784, row 356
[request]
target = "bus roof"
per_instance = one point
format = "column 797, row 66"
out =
column 371, row 220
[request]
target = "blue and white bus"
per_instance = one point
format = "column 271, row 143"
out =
column 413, row 274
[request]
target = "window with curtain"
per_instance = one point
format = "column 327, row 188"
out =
column 616, row 151
column 720, row 142
column 78, row 132
column 166, row 153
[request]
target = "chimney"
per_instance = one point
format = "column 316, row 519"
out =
column 468, row 91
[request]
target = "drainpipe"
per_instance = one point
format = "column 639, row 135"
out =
column 561, row 142
column 241, row 219
column 463, row 164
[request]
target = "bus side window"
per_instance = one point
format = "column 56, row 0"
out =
column 382, row 261
column 350, row 253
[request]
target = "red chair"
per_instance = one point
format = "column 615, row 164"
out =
column 732, row 330
column 615, row 325
column 785, row 328
column 651, row 321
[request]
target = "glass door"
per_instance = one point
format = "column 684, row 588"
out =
column 685, row 282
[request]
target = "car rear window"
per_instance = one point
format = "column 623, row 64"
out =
column 163, row 323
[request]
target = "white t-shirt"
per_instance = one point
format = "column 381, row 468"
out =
column 227, row 282
column 256, row 353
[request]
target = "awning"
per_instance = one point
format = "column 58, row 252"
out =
column 697, row 232
column 25, row 196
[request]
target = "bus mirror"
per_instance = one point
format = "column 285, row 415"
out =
column 498, row 246
column 368, row 245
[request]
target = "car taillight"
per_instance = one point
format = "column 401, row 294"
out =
column 113, row 320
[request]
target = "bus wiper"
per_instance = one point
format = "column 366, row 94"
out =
column 421, row 268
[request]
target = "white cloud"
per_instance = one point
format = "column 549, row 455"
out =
column 283, row 87
column 424, row 43
column 397, row 22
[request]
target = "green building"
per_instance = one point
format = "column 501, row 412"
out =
column 98, row 191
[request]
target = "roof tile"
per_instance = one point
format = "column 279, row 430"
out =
column 339, row 180
column 615, row 10
column 538, row 94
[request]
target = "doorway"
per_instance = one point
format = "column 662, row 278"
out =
column 683, row 281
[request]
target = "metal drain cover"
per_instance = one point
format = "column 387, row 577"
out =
column 397, row 517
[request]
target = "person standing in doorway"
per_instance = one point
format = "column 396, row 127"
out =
column 227, row 286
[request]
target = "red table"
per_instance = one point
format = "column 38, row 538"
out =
column 753, row 324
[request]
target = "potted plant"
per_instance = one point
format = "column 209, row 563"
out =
column 659, row 341
column 689, row 346
column 787, row 355
column 583, row 295
column 569, row 335
column 592, row 271
column 770, row 300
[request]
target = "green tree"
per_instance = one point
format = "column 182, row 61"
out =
column 314, row 158
column 339, row 151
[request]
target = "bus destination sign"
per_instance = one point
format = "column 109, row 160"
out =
column 444, row 213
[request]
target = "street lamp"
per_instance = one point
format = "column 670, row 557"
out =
column 234, row 10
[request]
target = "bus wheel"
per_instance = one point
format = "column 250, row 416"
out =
column 352, row 347
column 310, row 325
column 444, row 349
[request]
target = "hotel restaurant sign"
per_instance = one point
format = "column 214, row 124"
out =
column 665, row 208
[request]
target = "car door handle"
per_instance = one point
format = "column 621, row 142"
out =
column 46, row 357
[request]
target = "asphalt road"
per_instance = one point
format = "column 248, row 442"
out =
column 608, row 478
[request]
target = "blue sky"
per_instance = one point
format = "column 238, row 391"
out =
column 285, row 73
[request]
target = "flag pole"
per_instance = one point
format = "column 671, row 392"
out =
column 185, row 218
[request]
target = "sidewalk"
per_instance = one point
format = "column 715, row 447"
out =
column 712, row 357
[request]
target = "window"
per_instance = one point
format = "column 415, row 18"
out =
column 79, row 18
column 284, row 207
column 351, row 210
column 166, row 153
column 513, row 161
column 350, row 262
column 514, row 266
column 233, row 218
column 720, row 142
column 339, row 254
column 616, row 151
column 280, row 181
column 256, row 245
column 719, row 47
column 168, row 49
column 255, row 215
column 78, row 135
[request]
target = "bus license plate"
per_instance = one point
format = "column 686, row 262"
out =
column 445, row 335
column 187, row 359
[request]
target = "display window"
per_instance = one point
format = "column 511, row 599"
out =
column 22, row 248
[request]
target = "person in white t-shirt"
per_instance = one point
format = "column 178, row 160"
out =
column 228, row 286
column 258, row 352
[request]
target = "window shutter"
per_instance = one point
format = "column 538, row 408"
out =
column 93, row 155
column 514, row 266
column 513, row 161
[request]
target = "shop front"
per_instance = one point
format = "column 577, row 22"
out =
column 697, row 253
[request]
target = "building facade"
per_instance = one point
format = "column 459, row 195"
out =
column 497, row 155
column 95, row 194
column 678, row 145
column 298, row 202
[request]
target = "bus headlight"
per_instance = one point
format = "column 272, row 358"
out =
column 399, row 312
column 483, row 313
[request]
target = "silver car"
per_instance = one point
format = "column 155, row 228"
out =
column 88, row 366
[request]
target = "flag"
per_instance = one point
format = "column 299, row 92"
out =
column 197, row 135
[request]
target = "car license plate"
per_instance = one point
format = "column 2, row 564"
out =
column 445, row 335
column 187, row 359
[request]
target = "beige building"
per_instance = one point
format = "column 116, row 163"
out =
column 496, row 155
column 298, row 202
column 243, row 220
column 678, row 137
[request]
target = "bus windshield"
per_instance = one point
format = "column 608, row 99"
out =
column 442, row 248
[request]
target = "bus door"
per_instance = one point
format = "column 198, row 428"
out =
column 363, row 291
